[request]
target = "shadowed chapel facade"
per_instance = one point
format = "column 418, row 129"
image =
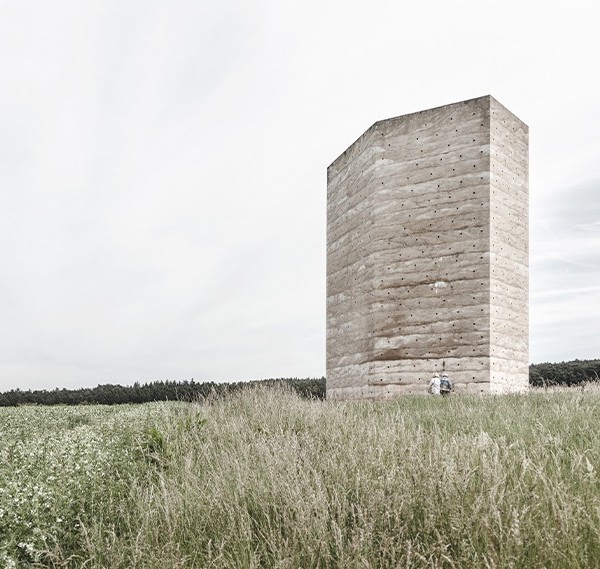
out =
column 427, row 254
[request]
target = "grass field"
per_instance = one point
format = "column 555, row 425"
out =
column 266, row 479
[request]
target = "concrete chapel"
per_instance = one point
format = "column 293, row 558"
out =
column 427, row 254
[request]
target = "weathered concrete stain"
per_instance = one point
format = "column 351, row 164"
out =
column 427, row 254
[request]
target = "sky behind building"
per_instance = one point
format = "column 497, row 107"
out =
column 163, row 172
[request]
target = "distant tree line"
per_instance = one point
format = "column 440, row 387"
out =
column 564, row 373
column 540, row 375
column 154, row 391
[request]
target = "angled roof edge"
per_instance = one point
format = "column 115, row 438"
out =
column 382, row 121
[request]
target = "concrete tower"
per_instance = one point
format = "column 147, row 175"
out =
column 427, row 254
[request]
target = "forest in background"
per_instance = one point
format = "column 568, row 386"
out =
column 110, row 394
column 571, row 373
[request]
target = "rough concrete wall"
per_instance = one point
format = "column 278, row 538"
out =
column 349, row 282
column 509, row 232
column 408, row 268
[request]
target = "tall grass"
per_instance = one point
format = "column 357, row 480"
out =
column 265, row 479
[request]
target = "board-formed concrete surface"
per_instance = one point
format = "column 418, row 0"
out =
column 427, row 254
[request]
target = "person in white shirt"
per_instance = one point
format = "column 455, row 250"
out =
column 434, row 384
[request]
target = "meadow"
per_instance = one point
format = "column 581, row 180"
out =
column 263, row 478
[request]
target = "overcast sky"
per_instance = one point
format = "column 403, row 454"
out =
column 163, row 171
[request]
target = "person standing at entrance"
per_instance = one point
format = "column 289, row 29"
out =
column 435, row 384
column 445, row 384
